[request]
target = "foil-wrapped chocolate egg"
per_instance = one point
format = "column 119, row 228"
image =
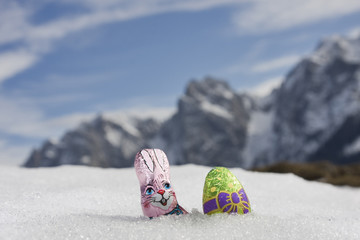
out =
column 223, row 193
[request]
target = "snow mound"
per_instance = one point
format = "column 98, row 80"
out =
column 73, row 202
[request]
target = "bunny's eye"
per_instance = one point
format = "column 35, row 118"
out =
column 167, row 185
column 149, row 191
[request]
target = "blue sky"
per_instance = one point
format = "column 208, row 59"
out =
column 62, row 62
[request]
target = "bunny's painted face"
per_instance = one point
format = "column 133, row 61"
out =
column 157, row 195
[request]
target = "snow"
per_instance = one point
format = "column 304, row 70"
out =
column 226, row 93
column 261, row 122
column 354, row 34
column 352, row 148
column 113, row 136
column 73, row 202
column 325, row 107
column 50, row 153
column 127, row 122
column 216, row 110
column 85, row 159
column 328, row 119
column 337, row 46
column 127, row 118
column 260, row 135
column 117, row 139
column 265, row 88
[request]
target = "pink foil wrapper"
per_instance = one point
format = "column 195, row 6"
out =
column 157, row 195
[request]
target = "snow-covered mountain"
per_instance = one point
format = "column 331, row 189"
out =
column 209, row 127
column 317, row 108
column 101, row 143
column 313, row 115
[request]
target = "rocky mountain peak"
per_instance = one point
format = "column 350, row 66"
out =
column 209, row 89
column 316, row 100
column 100, row 142
column 214, row 98
column 337, row 47
column 211, row 117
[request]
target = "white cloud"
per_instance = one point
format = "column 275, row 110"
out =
column 13, row 62
column 159, row 113
column 115, row 11
column 38, row 39
column 277, row 63
column 22, row 118
column 15, row 26
column 13, row 155
column 354, row 33
column 266, row 16
column 14, row 110
column 25, row 120
column 266, row 87
column 259, row 16
column 261, row 67
column 19, row 117
column 13, row 21
column 172, row 5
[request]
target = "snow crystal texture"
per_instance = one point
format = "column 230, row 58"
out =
column 73, row 202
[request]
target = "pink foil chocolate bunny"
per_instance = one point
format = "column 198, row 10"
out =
column 157, row 195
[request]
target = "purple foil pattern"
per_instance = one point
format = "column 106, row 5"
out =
column 235, row 202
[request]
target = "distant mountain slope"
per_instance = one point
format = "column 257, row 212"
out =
column 313, row 115
column 100, row 143
column 209, row 128
column 317, row 108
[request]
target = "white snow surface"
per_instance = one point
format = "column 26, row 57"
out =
column 73, row 202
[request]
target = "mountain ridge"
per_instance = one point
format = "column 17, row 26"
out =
column 313, row 115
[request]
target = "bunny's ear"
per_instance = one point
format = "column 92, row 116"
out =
column 162, row 160
column 143, row 160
